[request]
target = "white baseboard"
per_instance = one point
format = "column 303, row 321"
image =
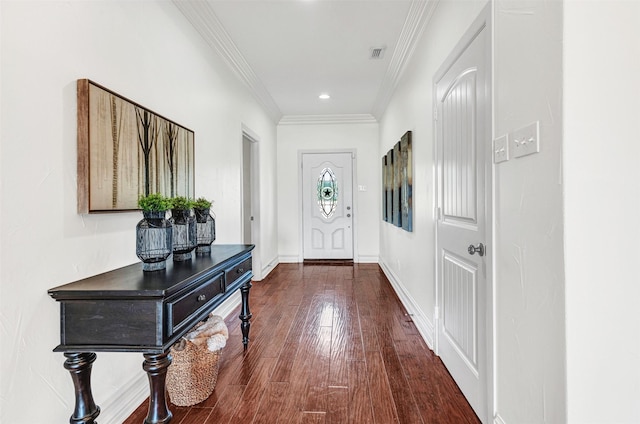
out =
column 368, row 259
column 289, row 259
column 119, row 407
column 266, row 270
column 423, row 324
column 498, row 420
column 229, row 305
column 294, row 259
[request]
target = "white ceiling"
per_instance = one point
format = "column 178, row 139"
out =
column 288, row 52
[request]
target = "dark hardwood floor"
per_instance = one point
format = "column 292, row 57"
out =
column 329, row 344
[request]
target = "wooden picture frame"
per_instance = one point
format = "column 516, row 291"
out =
column 126, row 150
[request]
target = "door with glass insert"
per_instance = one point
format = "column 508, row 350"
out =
column 327, row 206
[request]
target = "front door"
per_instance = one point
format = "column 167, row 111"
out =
column 327, row 207
column 463, row 134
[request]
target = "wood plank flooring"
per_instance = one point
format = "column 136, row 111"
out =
column 328, row 344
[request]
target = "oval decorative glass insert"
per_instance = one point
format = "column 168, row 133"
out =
column 327, row 192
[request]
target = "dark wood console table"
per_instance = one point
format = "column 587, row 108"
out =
column 128, row 310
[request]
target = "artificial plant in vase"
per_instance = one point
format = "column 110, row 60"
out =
column 184, row 228
column 154, row 233
column 205, row 225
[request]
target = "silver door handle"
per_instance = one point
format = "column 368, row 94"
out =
column 479, row 249
column 348, row 215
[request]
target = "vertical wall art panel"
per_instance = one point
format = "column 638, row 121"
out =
column 397, row 185
column 385, row 216
column 126, row 150
column 406, row 177
column 389, row 186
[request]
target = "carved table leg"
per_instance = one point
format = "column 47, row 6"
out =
column 79, row 365
column 156, row 368
column 245, row 314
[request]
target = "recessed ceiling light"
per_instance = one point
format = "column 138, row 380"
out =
column 324, row 96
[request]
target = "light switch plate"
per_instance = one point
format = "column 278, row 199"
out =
column 526, row 140
column 501, row 149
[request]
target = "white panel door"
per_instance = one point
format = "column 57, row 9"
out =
column 463, row 131
column 327, row 209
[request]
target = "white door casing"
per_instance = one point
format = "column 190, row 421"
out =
column 327, row 205
column 463, row 138
column 248, row 164
column 250, row 211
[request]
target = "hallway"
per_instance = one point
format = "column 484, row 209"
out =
column 329, row 344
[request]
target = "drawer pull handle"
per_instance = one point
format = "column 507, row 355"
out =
column 202, row 298
column 240, row 270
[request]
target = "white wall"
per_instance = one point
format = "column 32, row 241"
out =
column 408, row 258
column 362, row 137
column 529, row 271
column 146, row 51
column 602, row 202
column 528, row 241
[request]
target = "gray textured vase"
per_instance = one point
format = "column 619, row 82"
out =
column 153, row 240
column 205, row 229
column 184, row 234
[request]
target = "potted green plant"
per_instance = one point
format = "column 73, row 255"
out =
column 202, row 203
column 181, row 203
column 154, row 234
column 155, row 202
column 184, row 228
column 205, row 225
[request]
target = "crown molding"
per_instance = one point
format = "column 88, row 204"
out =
column 418, row 17
column 364, row 118
column 204, row 20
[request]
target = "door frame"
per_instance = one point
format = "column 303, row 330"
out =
column 483, row 21
column 354, row 200
column 255, row 196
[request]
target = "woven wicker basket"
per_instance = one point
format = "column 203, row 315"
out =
column 193, row 373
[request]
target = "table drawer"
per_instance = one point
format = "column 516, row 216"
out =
column 179, row 310
column 237, row 271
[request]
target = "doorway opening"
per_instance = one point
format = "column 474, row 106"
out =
column 250, row 209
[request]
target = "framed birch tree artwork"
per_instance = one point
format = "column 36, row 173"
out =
column 126, row 151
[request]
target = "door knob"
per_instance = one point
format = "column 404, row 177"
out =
column 479, row 249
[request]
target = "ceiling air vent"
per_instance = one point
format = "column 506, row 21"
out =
column 376, row 52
